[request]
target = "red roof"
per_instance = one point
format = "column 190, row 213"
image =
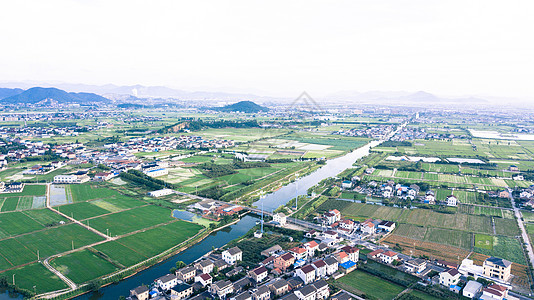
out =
column 298, row 250
column 376, row 252
column 342, row 254
column 307, row 269
column 349, row 249
column 311, row 244
column 287, row 256
column 390, row 253
column 205, row 276
column 319, row 263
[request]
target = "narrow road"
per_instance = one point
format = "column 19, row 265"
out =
column 524, row 234
column 69, row 282
column 108, row 238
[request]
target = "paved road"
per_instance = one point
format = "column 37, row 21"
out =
column 69, row 282
column 524, row 234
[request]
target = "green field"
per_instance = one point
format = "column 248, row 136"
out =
column 484, row 241
column 505, row 247
column 82, row 266
column 84, row 210
column 360, row 282
column 84, row 192
column 507, row 227
column 14, row 223
column 35, row 275
column 131, row 220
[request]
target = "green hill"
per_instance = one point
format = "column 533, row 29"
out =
column 243, row 106
column 38, row 94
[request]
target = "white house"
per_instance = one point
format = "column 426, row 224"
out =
column 386, row 226
column 320, row 268
column 471, row 289
column 346, row 184
column 331, row 265
column 452, row 200
column 306, row 273
column 280, row 218
column 368, row 227
column 204, row 279
column 166, row 282
column 232, row 255
column 307, row 292
column 388, row 257
column 449, row 277
column 160, row 193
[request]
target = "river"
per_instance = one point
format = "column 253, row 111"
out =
column 222, row 237
column 300, row 187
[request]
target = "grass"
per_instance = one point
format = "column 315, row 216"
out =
column 360, row 283
column 81, row 210
column 58, row 239
column 505, row 247
column 484, row 241
column 82, row 266
column 14, row 223
column 44, row 216
column 84, row 192
column 131, row 220
column 161, row 238
column 35, row 275
column 120, row 253
column 31, row 190
column 506, row 227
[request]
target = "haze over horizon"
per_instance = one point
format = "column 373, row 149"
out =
column 276, row 48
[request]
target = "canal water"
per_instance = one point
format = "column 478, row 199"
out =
column 300, row 187
column 216, row 239
column 222, row 237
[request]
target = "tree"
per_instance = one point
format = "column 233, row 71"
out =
column 180, row 264
column 94, row 285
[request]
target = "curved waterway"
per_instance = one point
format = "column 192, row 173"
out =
column 216, row 239
column 222, row 237
column 300, row 187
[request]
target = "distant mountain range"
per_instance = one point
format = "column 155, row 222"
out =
column 243, row 106
column 419, row 97
column 36, row 95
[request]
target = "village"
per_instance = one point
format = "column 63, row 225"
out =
column 308, row 270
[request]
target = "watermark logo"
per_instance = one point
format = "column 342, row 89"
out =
column 303, row 114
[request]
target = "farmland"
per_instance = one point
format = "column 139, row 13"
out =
column 361, row 283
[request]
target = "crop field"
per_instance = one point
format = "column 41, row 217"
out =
column 45, row 217
column 360, row 283
column 484, row 241
column 82, row 266
column 84, row 210
column 505, row 247
column 466, row 197
column 440, row 168
column 167, row 236
column 35, row 275
column 411, row 231
column 84, row 192
column 30, row 190
column 455, row 238
column 506, row 227
column 120, row 253
column 432, row 250
column 408, row 175
column 14, row 223
column 23, row 249
column 131, row 220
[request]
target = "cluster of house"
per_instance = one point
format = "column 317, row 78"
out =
column 43, row 169
column 295, row 274
column 494, row 269
column 374, row 132
column 339, row 226
column 454, row 278
column 215, row 210
column 158, row 144
column 413, row 133
column 390, row 189
column 76, row 178
column 13, row 187
column 43, row 132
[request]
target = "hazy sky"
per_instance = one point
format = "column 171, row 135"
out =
column 279, row 47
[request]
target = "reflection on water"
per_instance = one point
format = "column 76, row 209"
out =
column 214, row 240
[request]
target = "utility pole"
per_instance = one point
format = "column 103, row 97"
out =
column 13, row 278
column 38, row 256
column 72, row 244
